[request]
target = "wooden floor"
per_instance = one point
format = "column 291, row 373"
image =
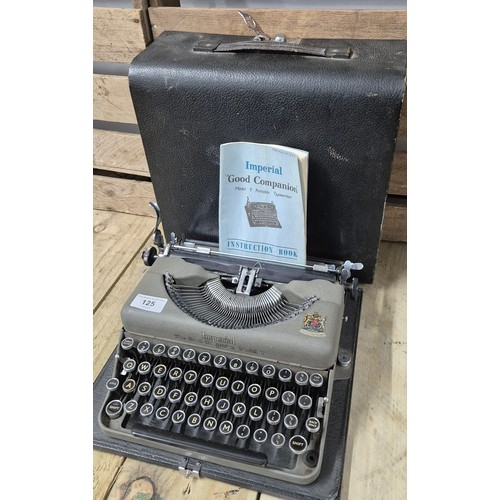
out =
column 378, row 413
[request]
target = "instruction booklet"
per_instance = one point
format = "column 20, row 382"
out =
column 263, row 201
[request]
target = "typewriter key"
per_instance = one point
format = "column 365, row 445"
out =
column 235, row 364
column 220, row 361
column 127, row 343
column 159, row 370
column 159, row 349
column 144, row 388
column 222, row 383
column 194, row 420
column 210, row 424
column 143, row 347
column 239, row 409
column 207, row 380
column 252, row 367
column 129, row 365
column 260, row 435
column 256, row 413
column 285, row 375
column 131, row 406
column 190, row 377
column 207, row 402
column 288, row 398
column 189, row 355
column 191, row 398
column 298, row 444
column 226, row 427
column 272, row 394
column 159, row 391
column 316, row 380
column 174, row 351
column 301, row 378
column 175, row 374
column 144, row 367
column 273, row 417
column 243, row 431
column 312, row 424
column 269, row 371
column 278, row 440
column 238, row 387
column 174, row 396
column 178, row 417
column 291, row 421
column 162, row 413
column 112, row 384
column 146, row 409
column 254, row 390
column 114, row 408
column 204, row 358
column 129, row 385
column 305, row 402
column 223, row 405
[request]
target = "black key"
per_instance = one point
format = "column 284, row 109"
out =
column 298, row 444
column 114, row 408
column 273, row 417
column 285, row 375
column 144, row 367
column 194, row 420
column 190, row 377
column 312, row 424
column 159, row 349
column 243, row 431
column 146, row 409
column 162, row 413
column 252, row 367
column 272, row 394
column 178, row 417
column 305, row 402
column 143, row 347
column 254, row 390
column 127, row 343
column 131, row 406
column 188, row 355
column 112, row 384
column 226, row 427
column 159, row 391
column 223, row 405
column 129, row 365
column 278, row 440
column 175, row 374
column 288, row 398
column 204, row 358
column 174, row 396
column 291, row 421
column 239, row 409
column 316, row 380
column 238, row 387
column 301, row 378
column 269, row 371
column 222, row 383
column 129, row 386
column 191, row 398
column 144, row 388
column 174, row 351
column 207, row 402
column 260, row 435
column 210, row 424
column 159, row 370
column 207, row 380
column 220, row 361
column 235, row 364
column 256, row 413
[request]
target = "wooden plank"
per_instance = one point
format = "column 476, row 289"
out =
column 123, row 195
column 113, row 237
column 119, row 152
column 105, row 469
column 112, row 100
column 118, row 34
column 398, row 182
column 139, row 480
column 295, row 23
column 394, row 224
column 378, row 408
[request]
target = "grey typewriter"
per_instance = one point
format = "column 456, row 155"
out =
column 262, row 214
column 228, row 360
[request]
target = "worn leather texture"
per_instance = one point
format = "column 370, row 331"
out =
column 345, row 112
column 330, row 484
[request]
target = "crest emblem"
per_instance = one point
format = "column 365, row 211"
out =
column 314, row 324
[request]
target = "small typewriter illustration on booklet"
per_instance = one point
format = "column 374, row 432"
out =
column 262, row 214
column 221, row 360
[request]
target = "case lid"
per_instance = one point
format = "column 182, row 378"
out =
column 344, row 112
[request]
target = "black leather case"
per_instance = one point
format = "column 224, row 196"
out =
column 345, row 112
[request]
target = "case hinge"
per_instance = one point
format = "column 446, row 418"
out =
column 190, row 467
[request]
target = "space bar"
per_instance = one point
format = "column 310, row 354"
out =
column 187, row 442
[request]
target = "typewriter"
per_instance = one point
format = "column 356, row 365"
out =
column 262, row 214
column 229, row 360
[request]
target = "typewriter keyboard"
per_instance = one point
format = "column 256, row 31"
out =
column 242, row 410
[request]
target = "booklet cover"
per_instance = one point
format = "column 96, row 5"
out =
column 262, row 201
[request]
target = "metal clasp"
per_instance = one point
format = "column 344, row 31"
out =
column 190, row 469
